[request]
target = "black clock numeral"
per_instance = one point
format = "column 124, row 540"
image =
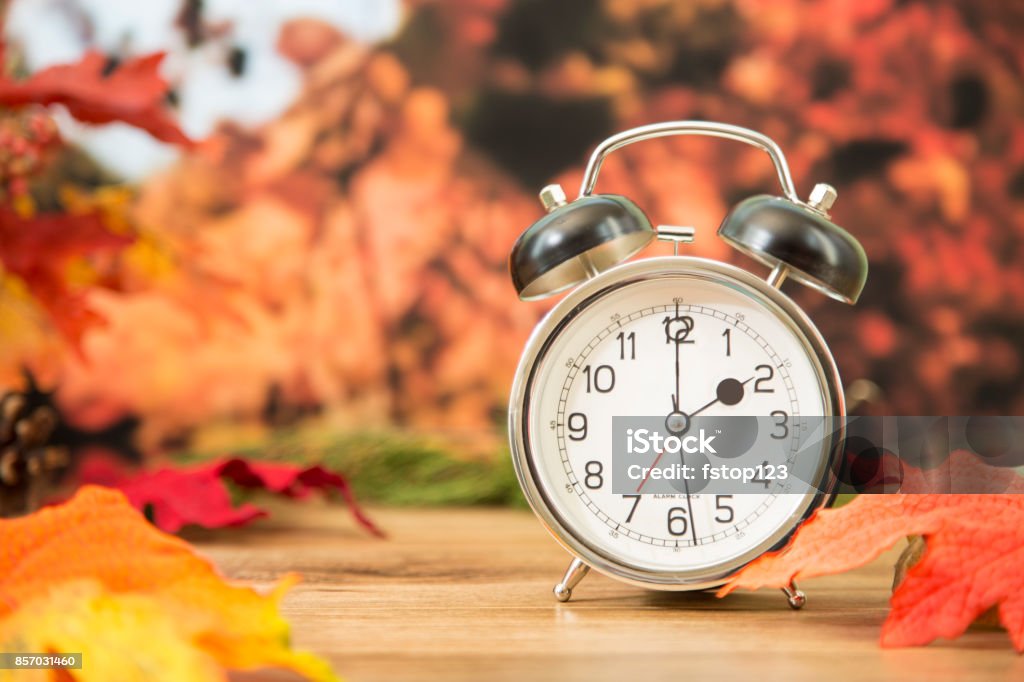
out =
column 625, row 339
column 678, row 329
column 761, row 380
column 600, row 379
column 594, row 478
column 728, row 342
column 760, row 475
column 677, row 521
column 577, row 424
column 781, row 422
column 632, row 510
column 723, row 509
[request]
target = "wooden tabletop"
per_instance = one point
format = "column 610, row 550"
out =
column 466, row 595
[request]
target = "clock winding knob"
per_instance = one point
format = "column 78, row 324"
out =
column 551, row 197
column 822, row 197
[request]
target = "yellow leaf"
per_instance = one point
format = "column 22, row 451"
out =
column 92, row 575
column 126, row 637
column 113, row 202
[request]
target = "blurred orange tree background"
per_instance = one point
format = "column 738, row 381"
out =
column 345, row 262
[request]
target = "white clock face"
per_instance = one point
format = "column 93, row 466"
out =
column 673, row 346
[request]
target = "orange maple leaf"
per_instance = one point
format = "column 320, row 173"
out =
column 117, row 567
column 975, row 550
column 133, row 92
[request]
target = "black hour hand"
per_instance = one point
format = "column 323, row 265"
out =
column 729, row 392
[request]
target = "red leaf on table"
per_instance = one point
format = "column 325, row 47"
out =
column 40, row 248
column 133, row 93
column 177, row 497
column 975, row 550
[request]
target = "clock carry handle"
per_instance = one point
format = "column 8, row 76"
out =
column 794, row 238
column 580, row 239
column 705, row 128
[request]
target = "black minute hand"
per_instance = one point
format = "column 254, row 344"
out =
column 677, row 328
column 678, row 422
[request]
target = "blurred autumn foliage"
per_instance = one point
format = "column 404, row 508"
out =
column 348, row 258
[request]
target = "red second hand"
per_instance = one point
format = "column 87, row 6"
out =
column 656, row 460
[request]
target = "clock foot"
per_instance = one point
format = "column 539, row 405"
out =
column 794, row 596
column 573, row 575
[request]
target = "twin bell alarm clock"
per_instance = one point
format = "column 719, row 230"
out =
column 673, row 418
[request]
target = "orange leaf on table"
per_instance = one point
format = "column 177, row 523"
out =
column 975, row 547
column 178, row 496
column 133, row 92
column 92, row 575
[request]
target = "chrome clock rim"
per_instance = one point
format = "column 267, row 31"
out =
column 594, row 289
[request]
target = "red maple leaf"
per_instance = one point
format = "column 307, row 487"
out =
column 176, row 497
column 133, row 92
column 975, row 547
column 39, row 250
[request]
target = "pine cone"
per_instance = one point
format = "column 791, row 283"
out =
column 28, row 465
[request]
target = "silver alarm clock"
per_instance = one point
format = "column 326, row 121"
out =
column 683, row 338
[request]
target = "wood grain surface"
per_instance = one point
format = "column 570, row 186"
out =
column 466, row 595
